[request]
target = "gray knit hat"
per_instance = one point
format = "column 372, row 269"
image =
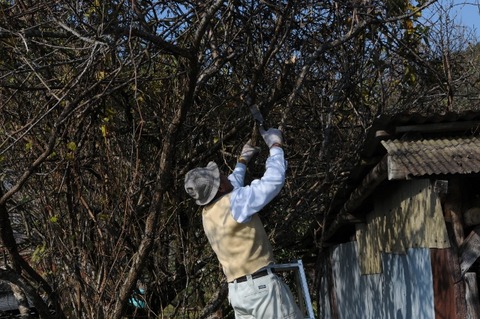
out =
column 202, row 183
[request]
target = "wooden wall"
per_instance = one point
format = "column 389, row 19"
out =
column 406, row 214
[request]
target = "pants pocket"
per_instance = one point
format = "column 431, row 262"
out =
column 290, row 309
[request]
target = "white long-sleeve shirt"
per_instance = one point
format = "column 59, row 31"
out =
column 250, row 199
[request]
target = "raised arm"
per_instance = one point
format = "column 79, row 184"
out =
column 248, row 200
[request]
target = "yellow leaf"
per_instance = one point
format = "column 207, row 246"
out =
column 72, row 146
column 103, row 128
column 38, row 253
column 103, row 216
column 100, row 75
column 409, row 26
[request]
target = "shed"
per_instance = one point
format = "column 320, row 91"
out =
column 403, row 237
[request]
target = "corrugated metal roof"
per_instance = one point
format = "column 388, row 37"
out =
column 391, row 124
column 432, row 156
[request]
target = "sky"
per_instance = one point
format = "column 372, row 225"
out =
column 464, row 12
column 468, row 14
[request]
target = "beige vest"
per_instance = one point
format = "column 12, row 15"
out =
column 241, row 248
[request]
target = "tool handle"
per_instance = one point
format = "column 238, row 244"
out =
column 255, row 134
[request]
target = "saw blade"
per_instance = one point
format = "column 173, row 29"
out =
column 257, row 115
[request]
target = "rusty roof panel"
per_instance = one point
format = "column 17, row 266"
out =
column 432, row 156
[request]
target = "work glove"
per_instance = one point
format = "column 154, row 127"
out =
column 272, row 137
column 248, row 151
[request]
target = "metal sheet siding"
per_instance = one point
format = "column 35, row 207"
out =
column 432, row 156
column 404, row 290
column 357, row 296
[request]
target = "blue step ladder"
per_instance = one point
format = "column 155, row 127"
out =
column 302, row 286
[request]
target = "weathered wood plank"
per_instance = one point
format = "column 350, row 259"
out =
column 449, row 288
column 369, row 253
column 406, row 215
column 471, row 295
column 396, row 169
column 444, row 288
column 469, row 251
column 453, row 210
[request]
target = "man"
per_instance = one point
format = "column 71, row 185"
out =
column 237, row 235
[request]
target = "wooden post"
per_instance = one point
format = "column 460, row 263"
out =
column 469, row 253
column 453, row 210
column 448, row 289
